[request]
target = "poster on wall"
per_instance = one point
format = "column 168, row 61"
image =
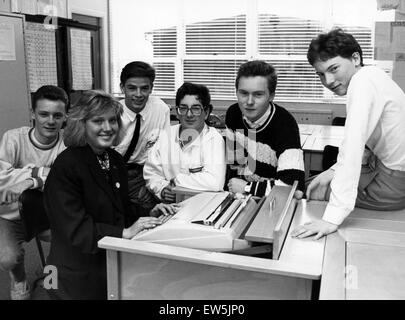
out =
column 7, row 42
column 40, row 46
column 81, row 59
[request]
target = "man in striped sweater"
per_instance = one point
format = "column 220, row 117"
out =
column 263, row 141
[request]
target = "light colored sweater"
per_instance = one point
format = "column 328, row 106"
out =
column 22, row 158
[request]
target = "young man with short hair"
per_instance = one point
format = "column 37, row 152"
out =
column 26, row 155
column 370, row 168
column 264, row 132
column 143, row 118
column 191, row 154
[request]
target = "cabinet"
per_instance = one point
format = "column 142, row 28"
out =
column 15, row 99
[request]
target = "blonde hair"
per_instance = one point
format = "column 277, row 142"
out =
column 89, row 104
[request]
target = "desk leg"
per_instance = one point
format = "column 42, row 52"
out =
column 307, row 163
column 112, row 275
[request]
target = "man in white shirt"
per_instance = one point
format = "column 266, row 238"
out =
column 143, row 118
column 370, row 168
column 191, row 154
column 26, row 155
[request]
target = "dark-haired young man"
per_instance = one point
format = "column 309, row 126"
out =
column 370, row 169
column 143, row 118
column 266, row 148
column 191, row 154
column 26, row 155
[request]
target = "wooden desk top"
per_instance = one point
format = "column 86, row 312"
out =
column 299, row 258
column 314, row 137
column 317, row 144
column 307, row 128
column 303, row 138
column 329, row 132
column 365, row 258
column 321, row 130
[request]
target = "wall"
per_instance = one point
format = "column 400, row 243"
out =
column 5, row 5
column 96, row 8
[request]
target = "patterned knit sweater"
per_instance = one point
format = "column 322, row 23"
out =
column 271, row 152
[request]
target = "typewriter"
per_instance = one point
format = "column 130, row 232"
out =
column 209, row 220
column 219, row 221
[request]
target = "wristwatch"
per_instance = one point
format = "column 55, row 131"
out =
column 248, row 187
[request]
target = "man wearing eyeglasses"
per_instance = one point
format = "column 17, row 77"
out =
column 191, row 154
column 263, row 141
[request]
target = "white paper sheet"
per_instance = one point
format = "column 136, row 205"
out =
column 7, row 42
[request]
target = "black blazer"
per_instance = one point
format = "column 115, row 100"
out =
column 83, row 208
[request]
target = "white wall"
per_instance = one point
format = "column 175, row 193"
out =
column 96, row 8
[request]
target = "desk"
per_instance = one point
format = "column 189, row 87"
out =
column 365, row 259
column 314, row 138
column 142, row 270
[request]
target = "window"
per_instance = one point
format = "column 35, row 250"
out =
column 206, row 41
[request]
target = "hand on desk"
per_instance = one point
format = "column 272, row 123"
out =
column 236, row 185
column 298, row 194
column 318, row 227
column 319, row 188
column 140, row 224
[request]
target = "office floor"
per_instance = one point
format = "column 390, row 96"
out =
column 33, row 269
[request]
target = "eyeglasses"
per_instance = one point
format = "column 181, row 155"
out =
column 196, row 111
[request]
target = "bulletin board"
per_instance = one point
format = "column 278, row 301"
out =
column 15, row 98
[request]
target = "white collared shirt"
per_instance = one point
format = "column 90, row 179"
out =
column 154, row 117
column 376, row 117
column 262, row 120
column 199, row 165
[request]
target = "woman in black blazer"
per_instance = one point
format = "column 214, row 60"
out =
column 86, row 198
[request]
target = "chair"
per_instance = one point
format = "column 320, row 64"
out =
column 339, row 121
column 216, row 121
column 34, row 219
column 329, row 156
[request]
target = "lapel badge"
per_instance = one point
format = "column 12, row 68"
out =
column 117, row 184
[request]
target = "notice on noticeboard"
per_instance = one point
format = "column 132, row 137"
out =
column 81, row 59
column 40, row 44
column 7, row 42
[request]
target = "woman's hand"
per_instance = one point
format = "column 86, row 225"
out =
column 164, row 209
column 140, row 224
